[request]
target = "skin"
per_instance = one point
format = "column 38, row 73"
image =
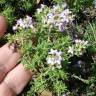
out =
column 3, row 25
column 13, row 76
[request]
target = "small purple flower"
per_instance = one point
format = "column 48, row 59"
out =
column 27, row 22
column 58, row 17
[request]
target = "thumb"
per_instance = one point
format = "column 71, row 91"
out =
column 3, row 25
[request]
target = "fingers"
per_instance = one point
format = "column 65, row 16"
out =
column 18, row 78
column 8, row 60
column 6, row 91
column 12, row 62
column 5, row 54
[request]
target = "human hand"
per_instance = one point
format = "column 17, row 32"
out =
column 13, row 76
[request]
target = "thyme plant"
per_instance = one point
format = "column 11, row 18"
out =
column 43, row 34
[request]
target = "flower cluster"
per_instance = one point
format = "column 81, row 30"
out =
column 59, row 16
column 78, row 48
column 27, row 22
column 54, row 58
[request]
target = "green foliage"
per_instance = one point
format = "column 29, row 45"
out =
column 90, row 35
column 9, row 14
column 12, row 9
column 58, row 1
column 35, row 44
column 78, row 5
column 34, row 58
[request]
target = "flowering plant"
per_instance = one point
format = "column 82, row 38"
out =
column 48, row 47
